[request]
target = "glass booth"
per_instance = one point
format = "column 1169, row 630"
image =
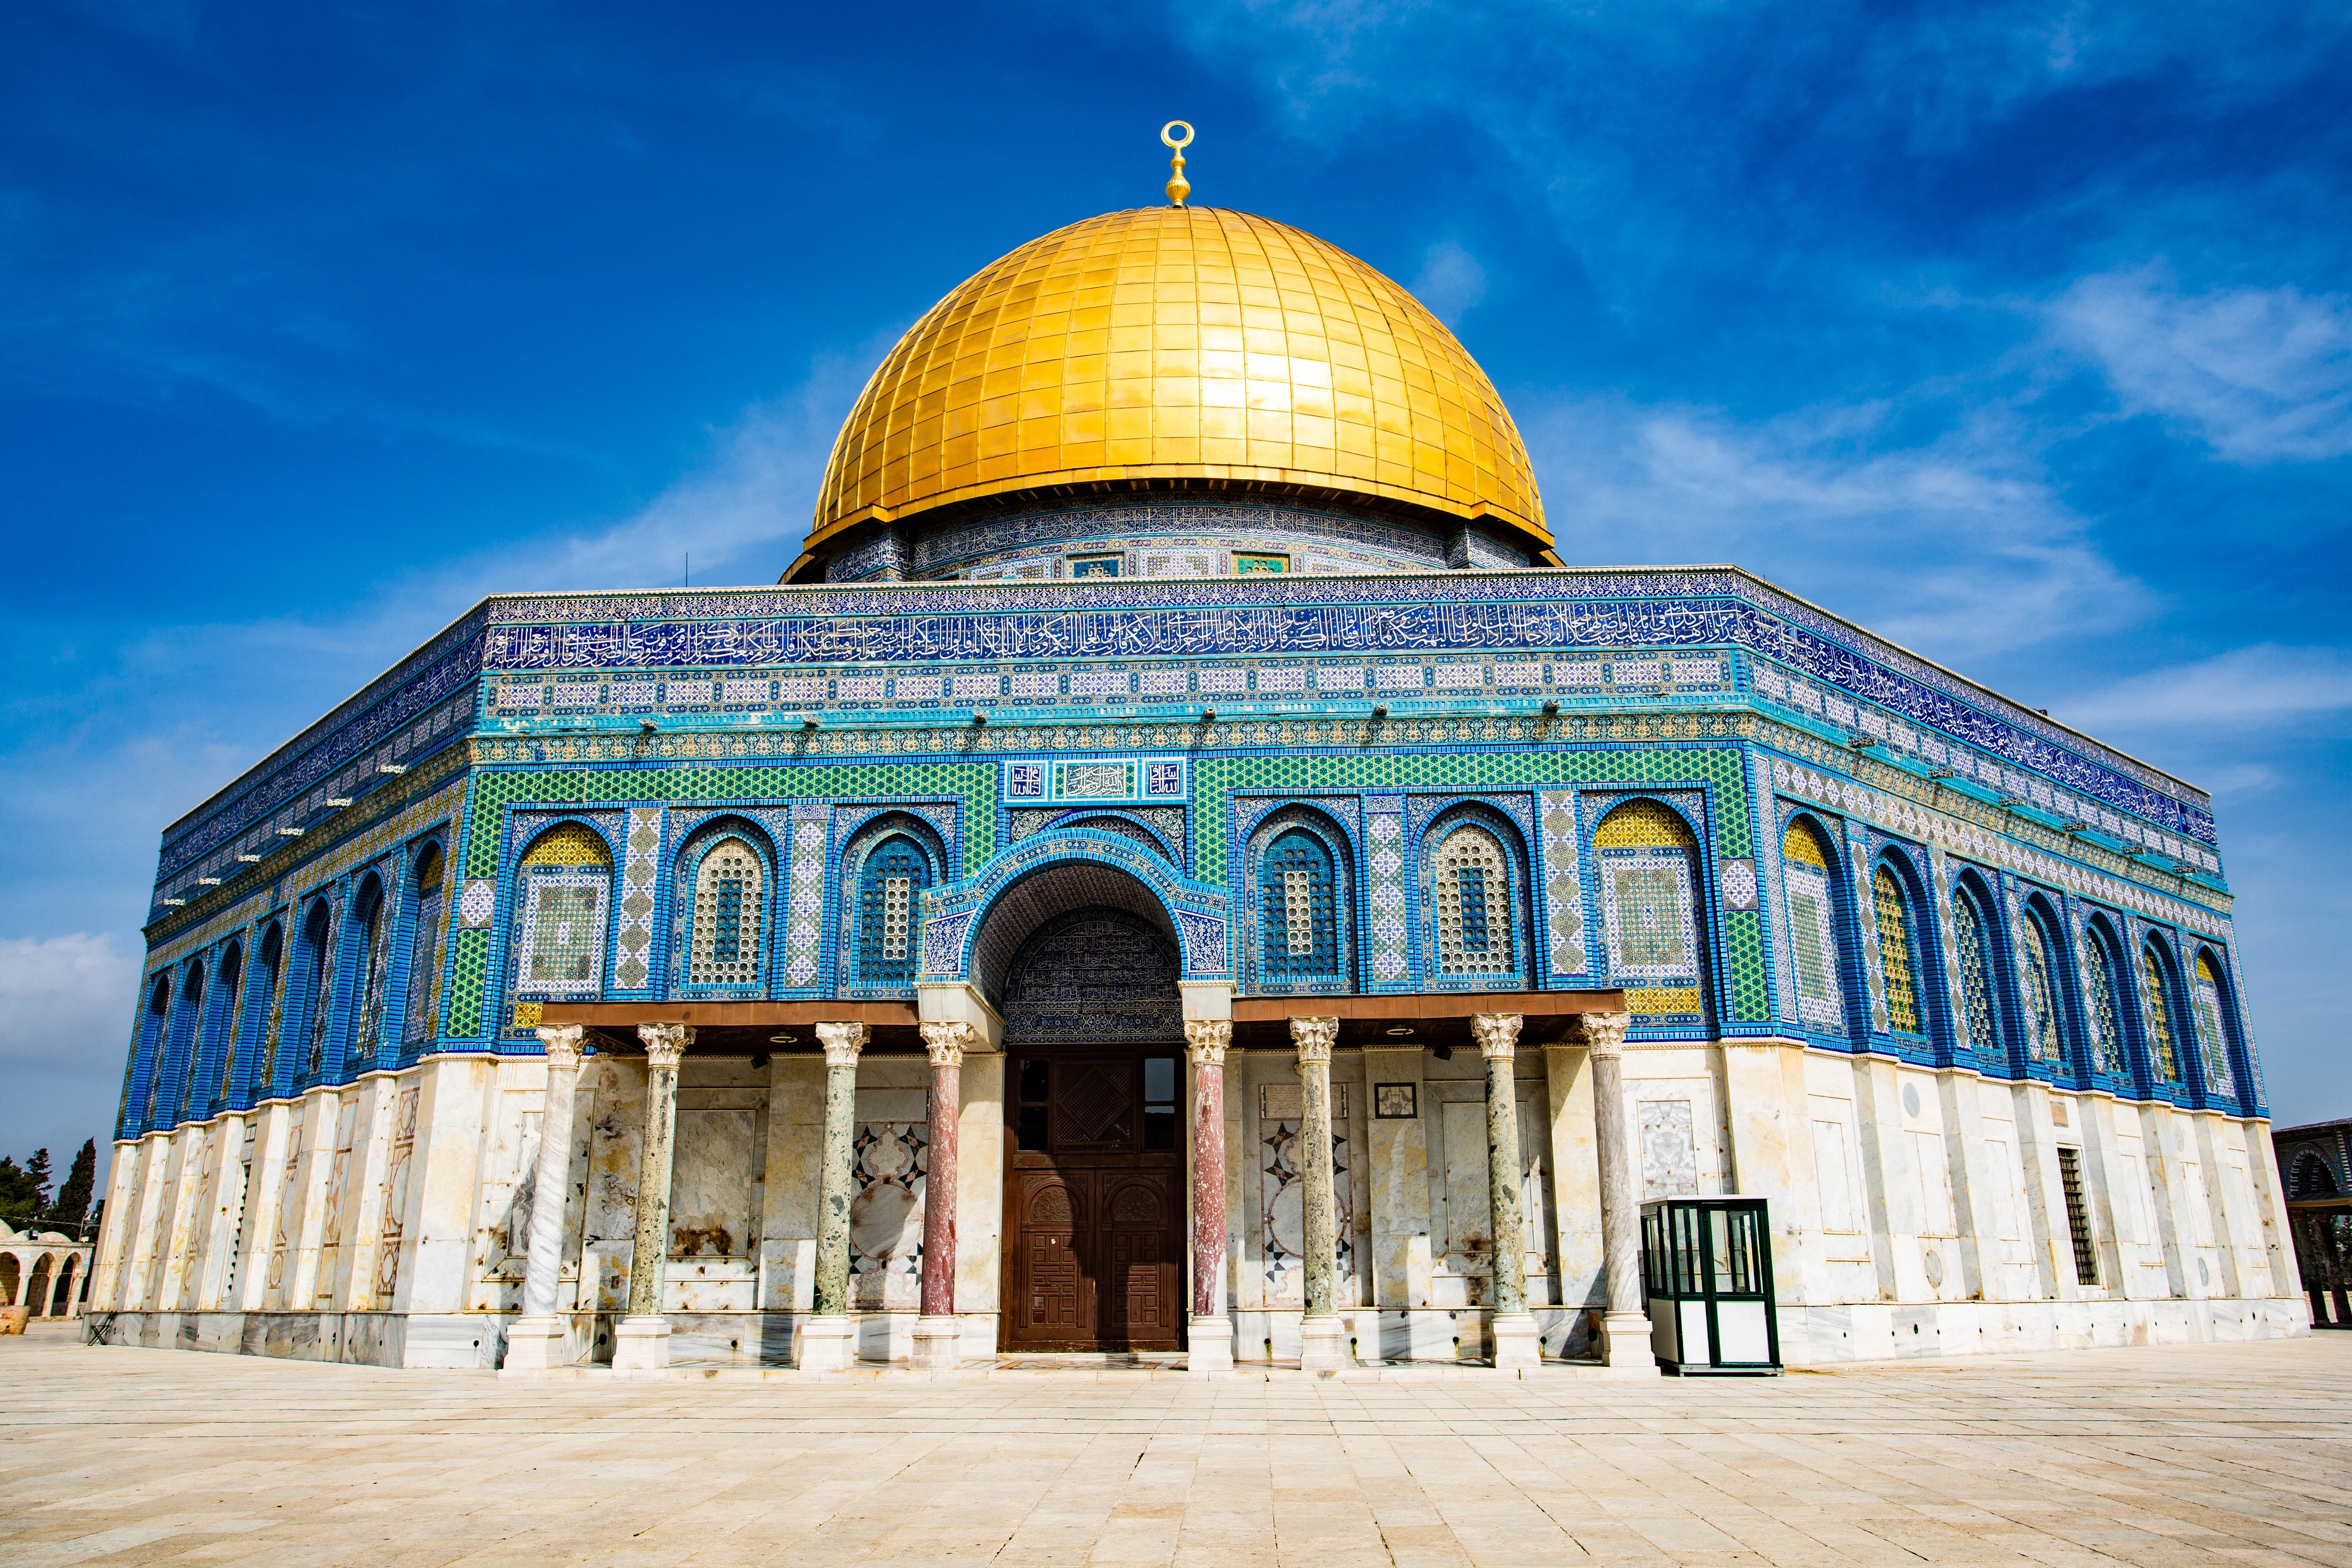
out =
column 1706, row 1271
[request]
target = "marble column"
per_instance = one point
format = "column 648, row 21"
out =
column 641, row 1343
column 1323, row 1338
column 1517, row 1345
column 536, row 1342
column 938, row 1335
column 1626, row 1326
column 828, row 1339
column 1209, row 1333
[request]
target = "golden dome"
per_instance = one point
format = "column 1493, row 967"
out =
column 1180, row 343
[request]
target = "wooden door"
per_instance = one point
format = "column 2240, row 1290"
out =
column 1095, row 1194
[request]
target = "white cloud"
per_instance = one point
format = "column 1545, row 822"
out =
column 2246, row 691
column 67, row 1001
column 2261, row 374
column 1956, row 547
column 1451, row 282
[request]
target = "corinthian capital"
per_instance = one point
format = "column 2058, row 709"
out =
column 1206, row 1040
column 946, row 1043
column 1314, row 1037
column 665, row 1043
column 1497, row 1034
column 1605, row 1032
column 561, row 1044
column 842, row 1042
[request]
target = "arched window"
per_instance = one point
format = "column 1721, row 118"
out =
column 2037, row 987
column 1899, row 964
column 1979, row 1025
column 566, row 874
column 147, row 1060
column 1805, row 874
column 373, row 950
column 890, row 895
column 171, row 1087
column 318, row 965
column 1646, row 849
column 2164, row 1030
column 2100, row 995
column 232, row 1020
column 424, row 1007
column 2212, row 1033
column 1472, row 893
column 1299, row 921
column 272, row 965
column 727, row 909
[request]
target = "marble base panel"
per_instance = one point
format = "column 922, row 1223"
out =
column 1817, row 1336
column 1438, row 1334
column 360, row 1338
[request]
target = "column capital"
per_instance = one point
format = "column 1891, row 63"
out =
column 1206, row 1040
column 1314, row 1037
column 561, row 1044
column 665, row 1043
column 841, row 1043
column 1604, row 1033
column 946, row 1042
column 1497, row 1034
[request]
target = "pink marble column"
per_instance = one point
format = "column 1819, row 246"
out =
column 1209, row 1334
column 937, row 1336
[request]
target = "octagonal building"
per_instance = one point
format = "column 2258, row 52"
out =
column 1180, row 868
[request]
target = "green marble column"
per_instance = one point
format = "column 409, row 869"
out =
column 648, row 1263
column 841, row 1043
column 1497, row 1034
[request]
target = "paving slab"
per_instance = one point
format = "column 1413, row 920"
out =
column 2216, row 1454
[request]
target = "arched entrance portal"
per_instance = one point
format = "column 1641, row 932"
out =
column 1095, row 1151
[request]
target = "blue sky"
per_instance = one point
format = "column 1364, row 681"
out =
column 2016, row 332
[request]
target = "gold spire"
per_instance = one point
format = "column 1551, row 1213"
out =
column 1178, row 189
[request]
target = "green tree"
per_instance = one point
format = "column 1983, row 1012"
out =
column 73, row 1199
column 20, row 1195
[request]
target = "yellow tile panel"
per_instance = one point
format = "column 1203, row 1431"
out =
column 1171, row 343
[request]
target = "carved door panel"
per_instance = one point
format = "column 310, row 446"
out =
column 1053, row 1305
column 1139, row 1283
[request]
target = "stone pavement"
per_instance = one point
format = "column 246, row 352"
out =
column 2235, row 1454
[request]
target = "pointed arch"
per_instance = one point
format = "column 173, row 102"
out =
column 147, row 1054
column 2216, row 1024
column 728, row 871
column 2102, row 995
column 217, row 1060
column 1646, row 856
column 268, row 985
column 317, row 949
column 2040, row 982
column 1810, row 882
column 1473, row 886
column 428, row 882
column 566, row 877
column 170, row 1091
column 1978, row 1016
column 2310, row 1178
column 1894, row 921
column 371, row 951
column 887, row 867
column 1297, row 873
column 2159, row 987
